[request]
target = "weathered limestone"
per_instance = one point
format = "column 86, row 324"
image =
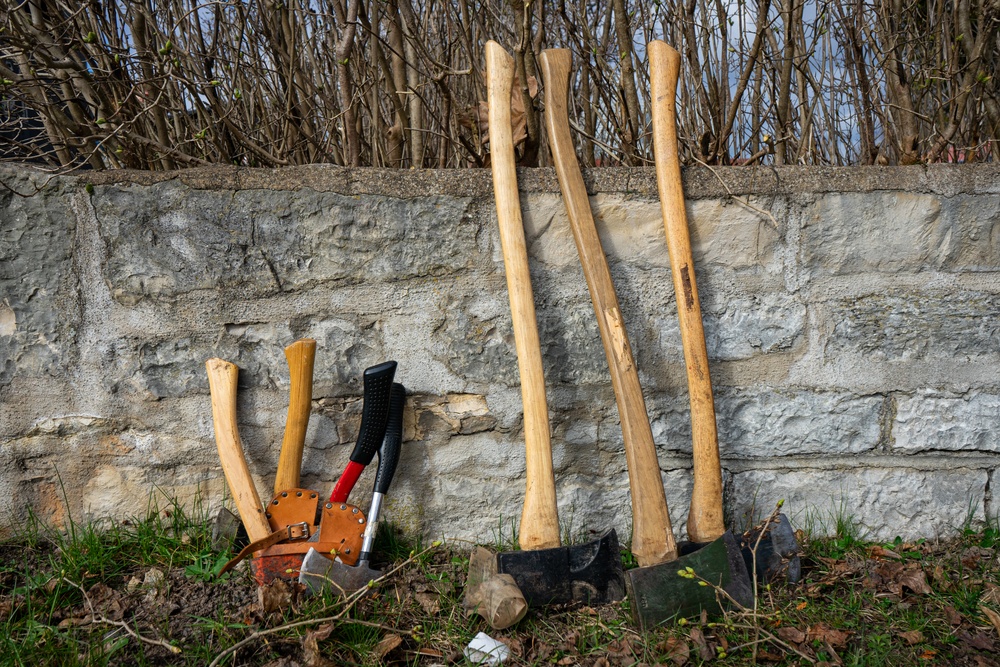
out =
column 852, row 319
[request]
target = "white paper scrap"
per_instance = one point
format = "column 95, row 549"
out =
column 484, row 650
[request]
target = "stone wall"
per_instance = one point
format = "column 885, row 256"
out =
column 852, row 315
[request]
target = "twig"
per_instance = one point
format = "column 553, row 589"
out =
column 101, row 618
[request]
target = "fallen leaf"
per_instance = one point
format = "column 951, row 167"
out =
column 915, row 580
column 881, row 552
column 698, row 637
column 769, row 657
column 430, row 602
column 311, row 655
column 952, row 616
column 284, row 661
column 675, row 649
column 274, row 596
column 993, row 616
column 972, row 556
column 387, row 644
column 824, row 633
column 912, row 637
column 621, row 648
column 75, row 621
column 978, row 641
column 790, row 634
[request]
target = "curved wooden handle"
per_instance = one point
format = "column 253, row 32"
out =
column 705, row 522
column 222, row 383
column 301, row 356
column 539, row 518
column 652, row 535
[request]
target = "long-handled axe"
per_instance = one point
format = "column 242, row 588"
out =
column 777, row 553
column 546, row 572
column 655, row 587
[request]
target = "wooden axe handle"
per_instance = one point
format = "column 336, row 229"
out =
column 705, row 522
column 222, row 383
column 539, row 518
column 652, row 536
column 301, row 356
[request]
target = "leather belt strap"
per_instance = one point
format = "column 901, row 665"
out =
column 294, row 531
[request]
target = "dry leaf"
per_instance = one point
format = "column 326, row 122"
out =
column 952, row 616
column 824, row 633
column 675, row 649
column 274, row 596
column 993, row 616
column 912, row 637
column 915, row 580
column 790, row 634
column 977, row 641
column 387, row 644
column 698, row 637
column 479, row 116
column 881, row 552
column 431, row 602
column 311, row 655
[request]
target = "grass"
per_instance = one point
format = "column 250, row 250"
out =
column 77, row 598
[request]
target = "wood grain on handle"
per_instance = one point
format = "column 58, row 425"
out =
column 222, row 383
column 652, row 536
column 539, row 520
column 705, row 521
column 301, row 356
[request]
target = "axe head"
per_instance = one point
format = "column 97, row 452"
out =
column 659, row 593
column 776, row 556
column 319, row 573
column 590, row 573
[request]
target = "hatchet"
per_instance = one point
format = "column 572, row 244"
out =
column 318, row 571
column 546, row 572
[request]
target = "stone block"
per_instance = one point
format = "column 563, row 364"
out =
column 901, row 326
column 881, row 502
column 39, row 304
column 931, row 421
column 168, row 239
column 879, row 232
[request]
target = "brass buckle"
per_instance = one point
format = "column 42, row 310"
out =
column 303, row 526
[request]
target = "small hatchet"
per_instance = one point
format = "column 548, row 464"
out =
column 318, row 571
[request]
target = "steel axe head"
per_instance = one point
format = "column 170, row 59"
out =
column 590, row 573
column 319, row 572
column 774, row 556
column 663, row 591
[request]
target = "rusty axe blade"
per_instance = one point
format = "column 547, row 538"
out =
column 590, row 573
column 319, row 572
